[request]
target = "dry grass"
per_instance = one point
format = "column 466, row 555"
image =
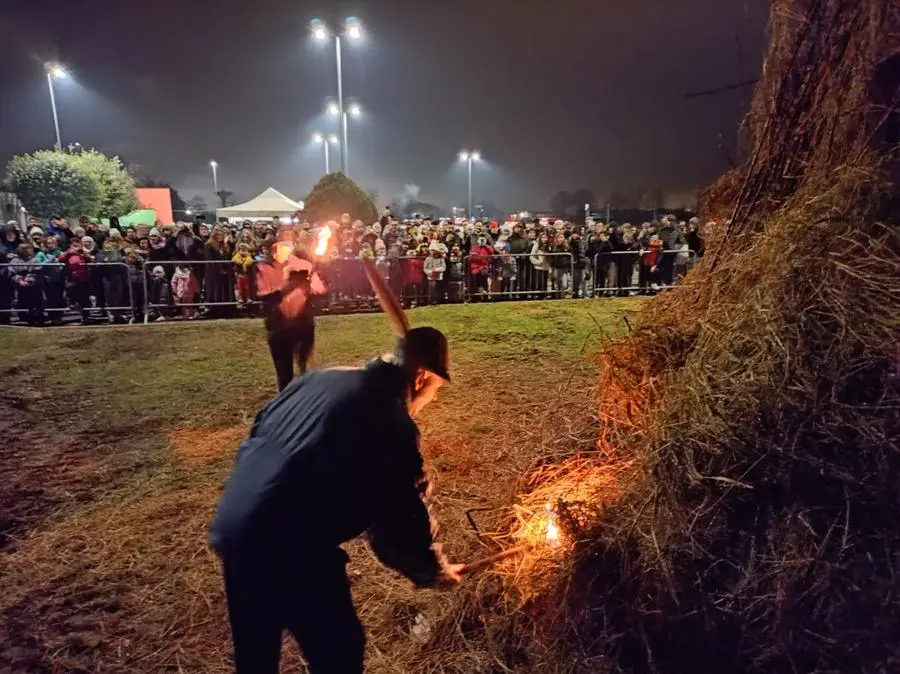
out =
column 123, row 581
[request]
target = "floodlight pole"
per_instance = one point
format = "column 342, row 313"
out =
column 55, row 116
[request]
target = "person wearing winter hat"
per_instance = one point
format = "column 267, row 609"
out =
column 36, row 236
column 287, row 284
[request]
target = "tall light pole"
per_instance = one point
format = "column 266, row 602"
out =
column 215, row 168
column 353, row 110
column 470, row 158
column 353, row 31
column 55, row 71
column 318, row 138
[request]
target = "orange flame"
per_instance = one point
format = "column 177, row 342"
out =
column 322, row 239
column 552, row 527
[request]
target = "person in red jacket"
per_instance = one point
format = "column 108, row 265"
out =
column 651, row 258
column 413, row 276
column 479, row 265
column 78, row 276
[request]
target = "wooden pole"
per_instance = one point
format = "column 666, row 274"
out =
column 487, row 562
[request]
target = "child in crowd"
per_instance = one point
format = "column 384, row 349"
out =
column 159, row 293
column 456, row 273
column 434, row 267
column 135, row 263
column 479, row 266
column 243, row 264
column 381, row 261
column 413, row 276
column 185, row 289
column 54, row 278
column 27, row 277
column 650, row 261
column 506, row 268
column 78, row 276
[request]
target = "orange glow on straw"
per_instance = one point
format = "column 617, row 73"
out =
column 552, row 527
column 322, row 239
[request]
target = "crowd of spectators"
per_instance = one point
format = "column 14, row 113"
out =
column 113, row 273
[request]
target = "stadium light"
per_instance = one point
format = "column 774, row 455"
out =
column 317, row 138
column 355, row 110
column 55, row 72
column 333, row 139
column 470, row 158
column 354, row 32
column 215, row 169
column 333, row 109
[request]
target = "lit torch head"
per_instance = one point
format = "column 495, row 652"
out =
column 552, row 527
column 322, row 239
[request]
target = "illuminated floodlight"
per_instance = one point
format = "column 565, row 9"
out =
column 354, row 29
column 57, row 71
column 476, row 156
column 333, row 139
column 333, row 108
column 355, row 110
column 319, row 30
column 464, row 156
column 317, row 138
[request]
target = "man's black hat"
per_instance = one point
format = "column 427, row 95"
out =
column 428, row 347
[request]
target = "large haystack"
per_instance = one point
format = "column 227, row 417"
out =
column 761, row 401
column 751, row 418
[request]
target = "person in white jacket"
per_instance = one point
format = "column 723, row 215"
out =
column 435, row 268
column 541, row 263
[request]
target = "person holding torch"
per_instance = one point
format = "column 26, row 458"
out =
column 287, row 284
column 334, row 456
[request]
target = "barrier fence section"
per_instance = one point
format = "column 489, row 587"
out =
column 37, row 293
column 535, row 276
column 184, row 287
column 624, row 272
column 108, row 291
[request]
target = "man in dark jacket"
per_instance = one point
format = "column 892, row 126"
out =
column 333, row 456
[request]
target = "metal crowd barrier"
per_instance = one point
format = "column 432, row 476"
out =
column 52, row 292
column 209, row 284
column 116, row 289
column 622, row 272
column 525, row 275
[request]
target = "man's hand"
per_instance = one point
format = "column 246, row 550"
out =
column 451, row 576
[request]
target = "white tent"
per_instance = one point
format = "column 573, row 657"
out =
column 271, row 203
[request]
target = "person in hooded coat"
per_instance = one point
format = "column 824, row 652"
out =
column 10, row 238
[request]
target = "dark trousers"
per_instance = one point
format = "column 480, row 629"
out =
column 311, row 601
column 294, row 342
column 56, row 301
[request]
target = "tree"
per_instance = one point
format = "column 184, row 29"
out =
column 224, row 195
column 117, row 196
column 570, row 205
column 197, row 205
column 334, row 195
column 47, row 184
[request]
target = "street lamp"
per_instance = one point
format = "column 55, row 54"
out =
column 470, row 158
column 215, row 166
column 354, row 110
column 353, row 30
column 318, row 139
column 55, row 72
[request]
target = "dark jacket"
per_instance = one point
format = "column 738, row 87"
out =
column 519, row 244
column 333, row 456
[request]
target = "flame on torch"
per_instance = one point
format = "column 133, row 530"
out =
column 552, row 527
column 322, row 239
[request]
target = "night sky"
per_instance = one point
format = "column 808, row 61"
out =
column 557, row 94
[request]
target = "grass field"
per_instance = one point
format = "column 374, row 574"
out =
column 117, row 442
